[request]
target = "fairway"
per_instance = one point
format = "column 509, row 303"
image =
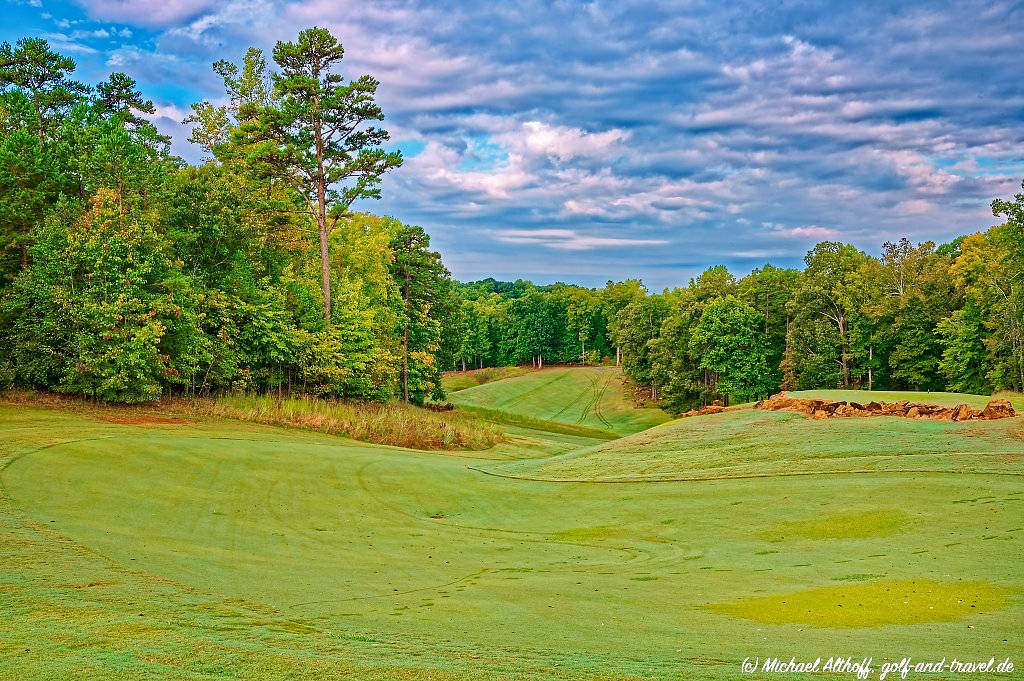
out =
column 224, row 549
column 592, row 397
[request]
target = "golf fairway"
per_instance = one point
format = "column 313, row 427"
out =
column 221, row 549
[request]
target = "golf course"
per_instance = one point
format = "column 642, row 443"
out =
column 596, row 541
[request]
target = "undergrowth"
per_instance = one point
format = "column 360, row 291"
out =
column 393, row 423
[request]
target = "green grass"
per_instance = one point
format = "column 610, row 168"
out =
column 761, row 443
column 228, row 549
column 453, row 381
column 592, row 397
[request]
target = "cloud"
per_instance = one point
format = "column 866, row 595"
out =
column 64, row 42
column 806, row 232
column 145, row 12
column 567, row 239
column 565, row 143
column 630, row 133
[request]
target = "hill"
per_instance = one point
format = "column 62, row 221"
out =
column 591, row 397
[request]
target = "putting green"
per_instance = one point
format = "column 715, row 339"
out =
column 228, row 549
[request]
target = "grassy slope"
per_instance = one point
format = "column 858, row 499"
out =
column 753, row 442
column 453, row 381
column 591, row 397
column 225, row 548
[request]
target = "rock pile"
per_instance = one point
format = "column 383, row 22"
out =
column 823, row 409
column 713, row 408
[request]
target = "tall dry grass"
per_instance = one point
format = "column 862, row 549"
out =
column 396, row 424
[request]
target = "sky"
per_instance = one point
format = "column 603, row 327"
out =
column 582, row 142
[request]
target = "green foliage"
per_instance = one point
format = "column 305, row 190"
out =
column 91, row 314
column 130, row 276
column 729, row 340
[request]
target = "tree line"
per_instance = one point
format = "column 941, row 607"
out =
column 916, row 317
column 127, row 274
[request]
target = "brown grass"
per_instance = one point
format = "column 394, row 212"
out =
column 393, row 423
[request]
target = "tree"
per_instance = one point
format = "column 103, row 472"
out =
column 636, row 326
column 93, row 313
column 119, row 96
column 823, row 312
column 729, row 340
column 614, row 296
column 44, row 76
column 768, row 290
column 423, row 281
column 313, row 135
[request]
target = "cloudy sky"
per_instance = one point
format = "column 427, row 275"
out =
column 586, row 141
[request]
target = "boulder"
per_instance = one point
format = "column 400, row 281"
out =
column 845, row 410
column 998, row 409
column 962, row 412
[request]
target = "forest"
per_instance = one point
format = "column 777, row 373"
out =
column 127, row 274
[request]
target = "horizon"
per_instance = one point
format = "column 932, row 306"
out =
column 605, row 143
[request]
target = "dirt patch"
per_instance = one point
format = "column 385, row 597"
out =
column 824, row 409
column 143, row 420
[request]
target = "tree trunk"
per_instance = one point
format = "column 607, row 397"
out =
column 540, row 361
column 405, row 336
column 463, row 363
column 325, row 264
column 321, row 219
column 871, row 357
column 618, row 356
column 844, row 352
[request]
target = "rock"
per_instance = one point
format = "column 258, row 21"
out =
column 998, row 409
column 704, row 411
column 962, row 412
column 823, row 409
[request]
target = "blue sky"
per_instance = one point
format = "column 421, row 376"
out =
column 588, row 141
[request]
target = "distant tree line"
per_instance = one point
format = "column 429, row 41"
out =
column 918, row 317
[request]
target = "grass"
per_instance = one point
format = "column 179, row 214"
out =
column 760, row 443
column 224, row 548
column 509, row 418
column 591, row 397
column 882, row 602
column 454, row 381
column 393, row 423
